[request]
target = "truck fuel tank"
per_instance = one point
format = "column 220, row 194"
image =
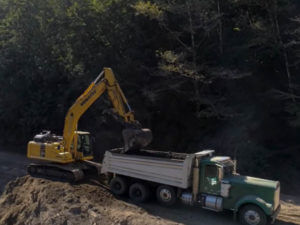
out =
column 211, row 202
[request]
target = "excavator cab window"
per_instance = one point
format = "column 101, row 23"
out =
column 83, row 145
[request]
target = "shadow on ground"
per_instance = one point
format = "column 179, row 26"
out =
column 190, row 215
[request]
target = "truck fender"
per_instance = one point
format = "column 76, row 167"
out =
column 255, row 200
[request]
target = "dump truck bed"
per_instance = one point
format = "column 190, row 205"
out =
column 161, row 167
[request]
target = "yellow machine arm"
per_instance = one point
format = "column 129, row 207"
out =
column 106, row 81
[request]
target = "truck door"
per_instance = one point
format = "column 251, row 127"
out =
column 211, row 182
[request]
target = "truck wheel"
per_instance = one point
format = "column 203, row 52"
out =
column 252, row 215
column 166, row 195
column 118, row 186
column 139, row 192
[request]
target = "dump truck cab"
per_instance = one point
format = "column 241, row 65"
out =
column 212, row 171
column 252, row 199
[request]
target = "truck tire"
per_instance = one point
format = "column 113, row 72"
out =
column 252, row 215
column 118, row 186
column 139, row 192
column 166, row 195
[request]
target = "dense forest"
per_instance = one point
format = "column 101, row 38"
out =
column 217, row 74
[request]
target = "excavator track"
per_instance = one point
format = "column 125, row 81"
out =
column 69, row 173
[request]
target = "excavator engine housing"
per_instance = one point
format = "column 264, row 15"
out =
column 49, row 147
column 46, row 136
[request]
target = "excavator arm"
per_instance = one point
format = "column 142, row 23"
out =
column 106, row 81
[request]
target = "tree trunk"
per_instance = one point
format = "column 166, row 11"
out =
column 220, row 30
column 194, row 57
column 274, row 18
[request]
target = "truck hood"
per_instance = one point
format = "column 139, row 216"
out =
column 252, row 181
column 244, row 187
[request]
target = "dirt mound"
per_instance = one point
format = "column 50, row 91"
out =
column 290, row 209
column 33, row 201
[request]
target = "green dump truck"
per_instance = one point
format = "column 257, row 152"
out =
column 201, row 179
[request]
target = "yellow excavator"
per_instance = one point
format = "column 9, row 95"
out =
column 68, row 156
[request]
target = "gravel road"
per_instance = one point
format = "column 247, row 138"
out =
column 12, row 165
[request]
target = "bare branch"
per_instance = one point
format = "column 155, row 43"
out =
column 283, row 95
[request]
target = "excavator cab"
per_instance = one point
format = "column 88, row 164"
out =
column 83, row 145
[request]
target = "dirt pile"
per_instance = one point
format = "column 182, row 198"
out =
column 35, row 201
column 290, row 209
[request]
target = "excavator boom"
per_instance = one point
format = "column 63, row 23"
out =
column 134, row 137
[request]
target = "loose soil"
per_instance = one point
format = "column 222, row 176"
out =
column 35, row 201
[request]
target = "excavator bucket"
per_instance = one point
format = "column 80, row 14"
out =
column 135, row 139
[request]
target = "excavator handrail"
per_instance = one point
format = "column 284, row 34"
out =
column 98, row 77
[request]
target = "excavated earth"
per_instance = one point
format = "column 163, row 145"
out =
column 29, row 200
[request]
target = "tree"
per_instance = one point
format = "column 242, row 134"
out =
column 191, row 27
column 49, row 52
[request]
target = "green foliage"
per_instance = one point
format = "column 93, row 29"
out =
column 148, row 9
column 49, row 51
column 191, row 37
column 176, row 64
